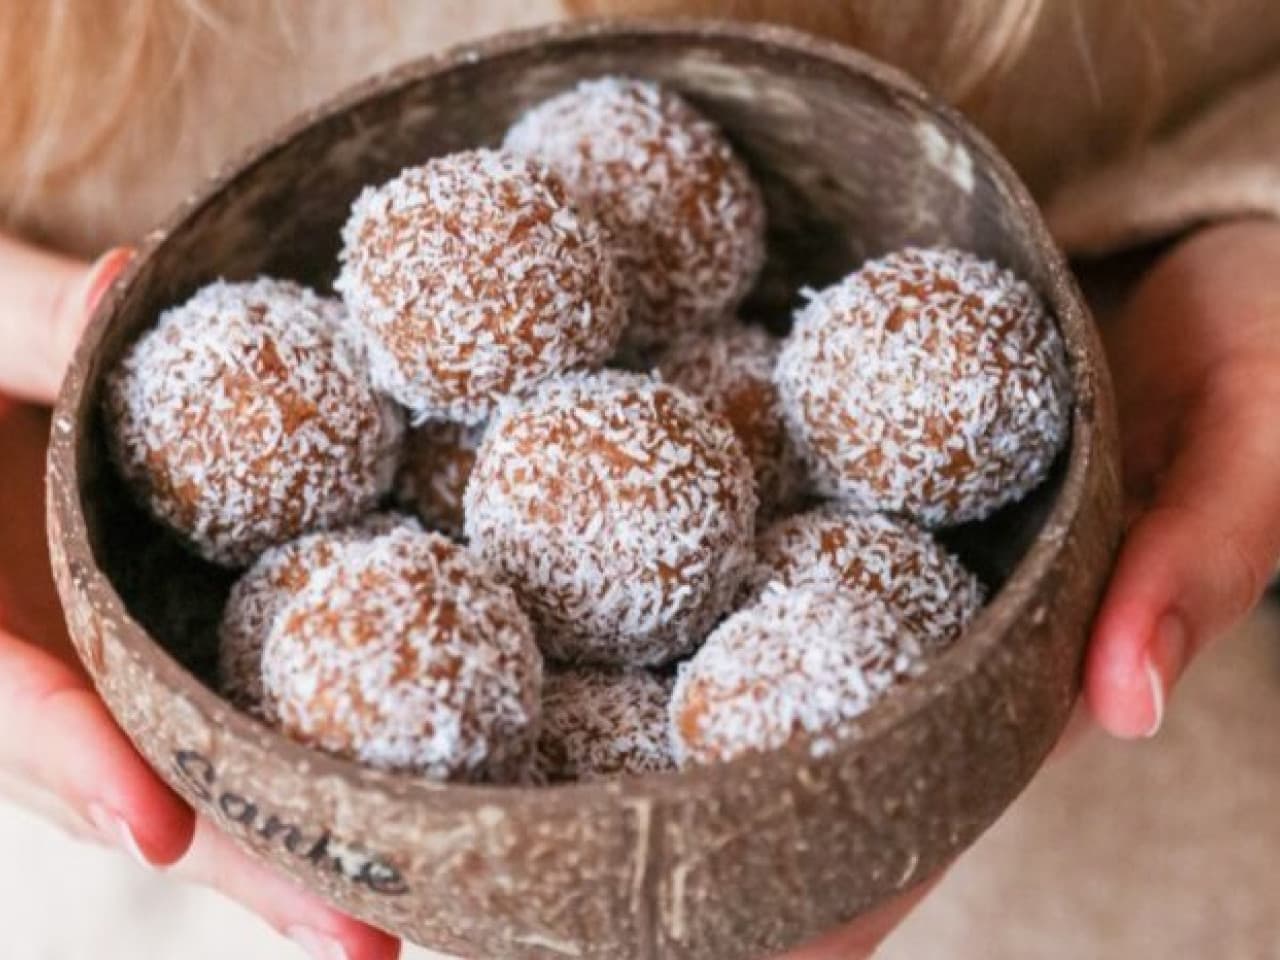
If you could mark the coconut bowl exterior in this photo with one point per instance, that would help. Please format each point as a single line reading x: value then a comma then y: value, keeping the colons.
x: 729, y: 862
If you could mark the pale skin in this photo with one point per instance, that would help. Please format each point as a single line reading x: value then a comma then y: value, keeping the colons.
x: 1195, y: 354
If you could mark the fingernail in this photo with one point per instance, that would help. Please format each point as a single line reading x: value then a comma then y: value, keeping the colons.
x: 1166, y: 657
x: 117, y: 833
x: 101, y: 274
x: 316, y: 945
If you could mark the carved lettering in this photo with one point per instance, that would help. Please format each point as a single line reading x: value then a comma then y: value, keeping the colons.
x: 198, y: 774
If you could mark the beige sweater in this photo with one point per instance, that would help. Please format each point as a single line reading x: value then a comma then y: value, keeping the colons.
x: 1130, y: 119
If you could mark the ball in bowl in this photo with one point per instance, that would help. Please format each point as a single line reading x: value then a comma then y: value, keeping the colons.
x: 245, y: 418
x: 472, y: 277
x: 930, y: 383
x: 620, y: 509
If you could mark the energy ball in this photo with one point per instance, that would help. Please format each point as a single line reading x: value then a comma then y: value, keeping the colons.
x: 279, y: 575
x: 928, y: 383
x: 437, y: 462
x: 472, y: 277
x: 731, y: 370
x: 406, y: 655
x: 244, y: 419
x: 686, y: 219
x: 883, y: 558
x: 799, y: 665
x: 598, y: 724
x: 622, y: 512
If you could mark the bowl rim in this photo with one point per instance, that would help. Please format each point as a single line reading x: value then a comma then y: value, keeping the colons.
x: 990, y: 630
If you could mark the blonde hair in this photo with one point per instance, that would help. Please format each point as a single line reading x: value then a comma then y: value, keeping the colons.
x: 982, y: 39
x: 75, y: 69
x: 55, y: 51
x: 76, y: 72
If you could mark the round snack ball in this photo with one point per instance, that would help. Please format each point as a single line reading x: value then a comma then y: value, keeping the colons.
x: 884, y: 558
x: 731, y: 370
x: 245, y: 418
x: 598, y: 724
x: 470, y: 278
x: 279, y: 575
x: 928, y: 383
x: 437, y: 462
x: 686, y: 218
x: 620, y: 509
x: 801, y: 663
x: 406, y: 655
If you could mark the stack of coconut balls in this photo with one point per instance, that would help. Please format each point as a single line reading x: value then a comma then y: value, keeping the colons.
x: 609, y: 571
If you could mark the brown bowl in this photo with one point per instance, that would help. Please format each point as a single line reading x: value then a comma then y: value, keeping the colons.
x: 734, y: 861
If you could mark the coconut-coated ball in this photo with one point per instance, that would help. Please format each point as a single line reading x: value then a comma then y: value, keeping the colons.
x: 279, y: 575
x: 599, y: 723
x: 730, y: 369
x: 438, y: 459
x: 245, y: 418
x: 800, y: 664
x: 686, y: 218
x: 405, y: 654
x: 472, y: 277
x: 928, y: 383
x: 620, y: 509
x: 886, y: 559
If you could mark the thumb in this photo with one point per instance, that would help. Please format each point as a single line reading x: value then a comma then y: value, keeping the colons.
x: 45, y: 301
x: 1197, y: 558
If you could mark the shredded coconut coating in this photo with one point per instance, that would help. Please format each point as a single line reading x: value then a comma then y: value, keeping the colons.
x: 928, y: 383
x: 598, y: 724
x: 731, y: 370
x: 245, y: 418
x: 685, y: 216
x: 406, y: 655
x: 438, y: 460
x: 886, y: 559
x: 472, y: 277
x: 279, y: 575
x: 620, y: 509
x: 800, y: 664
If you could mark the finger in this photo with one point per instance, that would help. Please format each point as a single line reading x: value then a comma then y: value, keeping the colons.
x: 56, y: 736
x: 325, y: 933
x: 1197, y: 558
x: 861, y: 938
x: 45, y: 302
x: 29, y: 605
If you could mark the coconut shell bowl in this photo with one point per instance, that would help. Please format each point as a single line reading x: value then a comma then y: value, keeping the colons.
x: 729, y: 862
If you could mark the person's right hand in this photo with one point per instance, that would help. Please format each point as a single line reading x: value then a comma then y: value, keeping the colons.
x: 61, y: 753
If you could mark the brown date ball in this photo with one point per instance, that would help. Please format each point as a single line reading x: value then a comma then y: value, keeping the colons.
x: 620, y: 509
x: 889, y: 560
x: 928, y: 383
x: 686, y: 219
x: 598, y: 724
x: 406, y: 655
x: 279, y: 575
x: 799, y: 665
x: 472, y: 277
x: 730, y: 369
x: 438, y: 459
x: 245, y: 419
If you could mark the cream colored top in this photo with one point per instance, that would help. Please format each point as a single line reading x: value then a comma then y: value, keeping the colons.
x: 1128, y: 118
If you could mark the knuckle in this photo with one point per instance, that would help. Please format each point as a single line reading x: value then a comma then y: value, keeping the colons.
x: 1246, y: 575
x: 1235, y: 570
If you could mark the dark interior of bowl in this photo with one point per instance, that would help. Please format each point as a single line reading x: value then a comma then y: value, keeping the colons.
x: 848, y: 172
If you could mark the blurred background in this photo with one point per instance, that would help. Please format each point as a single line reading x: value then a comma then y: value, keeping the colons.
x: 1163, y: 850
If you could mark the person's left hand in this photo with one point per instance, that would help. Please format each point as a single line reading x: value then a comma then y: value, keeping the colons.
x: 1195, y: 357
